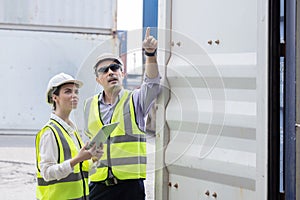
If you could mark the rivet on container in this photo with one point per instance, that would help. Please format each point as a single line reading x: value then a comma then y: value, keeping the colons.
x: 207, y: 193
x: 176, y: 185
x: 214, y: 195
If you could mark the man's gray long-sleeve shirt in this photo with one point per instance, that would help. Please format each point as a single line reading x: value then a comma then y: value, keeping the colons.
x: 142, y: 98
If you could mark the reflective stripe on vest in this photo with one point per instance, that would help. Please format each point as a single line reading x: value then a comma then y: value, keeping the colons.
x: 125, y: 151
x: 75, y: 185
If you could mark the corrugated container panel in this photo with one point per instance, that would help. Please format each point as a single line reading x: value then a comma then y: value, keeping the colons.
x: 213, y: 133
x: 216, y: 113
x: 59, y: 15
x: 28, y: 59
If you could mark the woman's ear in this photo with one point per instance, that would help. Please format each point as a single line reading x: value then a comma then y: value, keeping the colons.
x: 54, y: 97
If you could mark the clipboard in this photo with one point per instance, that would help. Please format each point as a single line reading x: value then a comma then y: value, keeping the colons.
x: 102, y: 135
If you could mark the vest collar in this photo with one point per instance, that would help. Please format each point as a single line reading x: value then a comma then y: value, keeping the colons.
x: 66, y: 126
x: 101, y: 99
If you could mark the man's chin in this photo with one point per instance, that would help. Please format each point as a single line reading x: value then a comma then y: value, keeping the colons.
x: 74, y: 107
x: 116, y: 88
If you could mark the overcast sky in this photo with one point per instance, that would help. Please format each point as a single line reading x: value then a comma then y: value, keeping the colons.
x: 130, y: 17
x: 130, y: 14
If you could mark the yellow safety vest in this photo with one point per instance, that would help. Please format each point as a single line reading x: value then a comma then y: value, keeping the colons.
x: 125, y: 150
x: 75, y: 185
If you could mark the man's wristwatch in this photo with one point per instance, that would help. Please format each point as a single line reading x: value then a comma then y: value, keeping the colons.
x: 150, y: 54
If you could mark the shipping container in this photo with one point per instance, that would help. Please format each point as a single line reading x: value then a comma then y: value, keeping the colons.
x: 218, y: 117
x: 40, y: 39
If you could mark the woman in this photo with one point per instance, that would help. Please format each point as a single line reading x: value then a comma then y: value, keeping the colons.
x: 63, y: 162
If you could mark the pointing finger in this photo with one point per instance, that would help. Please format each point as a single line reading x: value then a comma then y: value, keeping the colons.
x: 147, y: 34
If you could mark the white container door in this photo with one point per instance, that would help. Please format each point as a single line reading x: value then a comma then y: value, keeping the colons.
x: 212, y: 115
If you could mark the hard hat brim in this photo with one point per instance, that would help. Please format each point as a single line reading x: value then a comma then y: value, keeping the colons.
x: 49, y: 97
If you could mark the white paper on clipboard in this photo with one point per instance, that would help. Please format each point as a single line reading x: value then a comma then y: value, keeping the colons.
x: 103, y: 134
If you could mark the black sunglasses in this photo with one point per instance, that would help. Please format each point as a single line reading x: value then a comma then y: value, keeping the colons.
x: 114, y: 67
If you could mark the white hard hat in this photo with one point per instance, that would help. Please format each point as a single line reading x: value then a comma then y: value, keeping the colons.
x: 58, y: 80
x: 108, y: 56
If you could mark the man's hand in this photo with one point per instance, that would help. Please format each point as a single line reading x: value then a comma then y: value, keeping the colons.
x: 149, y: 43
x: 98, y: 153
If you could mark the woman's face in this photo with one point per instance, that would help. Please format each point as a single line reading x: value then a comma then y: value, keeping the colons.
x: 67, y: 98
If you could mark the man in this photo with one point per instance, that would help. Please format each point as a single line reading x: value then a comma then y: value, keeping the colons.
x: 123, y: 165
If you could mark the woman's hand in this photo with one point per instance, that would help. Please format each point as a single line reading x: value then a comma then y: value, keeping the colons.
x: 85, y: 154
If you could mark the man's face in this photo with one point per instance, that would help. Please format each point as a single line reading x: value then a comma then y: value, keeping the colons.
x: 110, y: 75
